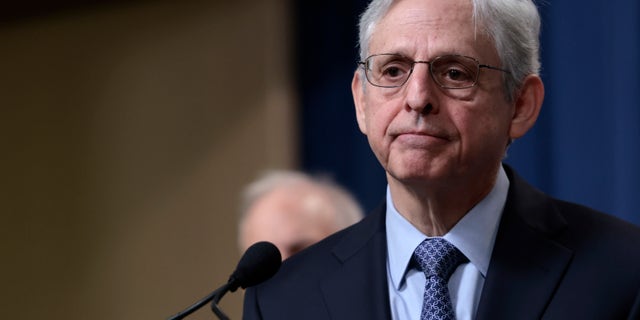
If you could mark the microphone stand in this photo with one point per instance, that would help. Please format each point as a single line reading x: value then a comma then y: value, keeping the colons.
x: 214, y: 297
x: 214, y: 303
x: 260, y: 262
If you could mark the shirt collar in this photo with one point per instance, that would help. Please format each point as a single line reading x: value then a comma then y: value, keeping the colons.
x: 473, y: 235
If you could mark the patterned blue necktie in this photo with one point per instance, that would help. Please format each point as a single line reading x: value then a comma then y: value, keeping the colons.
x: 438, y: 259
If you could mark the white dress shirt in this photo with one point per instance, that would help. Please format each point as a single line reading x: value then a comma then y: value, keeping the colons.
x: 473, y: 235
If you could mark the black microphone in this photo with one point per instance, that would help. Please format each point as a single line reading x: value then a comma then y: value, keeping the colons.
x: 259, y: 263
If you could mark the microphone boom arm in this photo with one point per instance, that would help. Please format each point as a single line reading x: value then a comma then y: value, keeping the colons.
x: 214, y: 296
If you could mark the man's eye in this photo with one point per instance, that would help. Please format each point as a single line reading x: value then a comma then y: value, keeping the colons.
x: 456, y: 74
x: 392, y: 72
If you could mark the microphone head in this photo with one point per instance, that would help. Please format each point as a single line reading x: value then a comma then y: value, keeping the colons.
x: 259, y: 263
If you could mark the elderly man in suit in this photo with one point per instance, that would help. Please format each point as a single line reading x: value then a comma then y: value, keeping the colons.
x: 442, y: 89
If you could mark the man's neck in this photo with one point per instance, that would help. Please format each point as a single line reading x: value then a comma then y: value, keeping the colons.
x: 435, y: 208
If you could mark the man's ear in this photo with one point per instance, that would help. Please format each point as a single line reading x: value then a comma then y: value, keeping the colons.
x: 527, y: 106
x: 357, y: 90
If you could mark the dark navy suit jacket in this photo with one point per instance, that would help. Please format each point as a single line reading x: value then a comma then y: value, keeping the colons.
x: 551, y: 260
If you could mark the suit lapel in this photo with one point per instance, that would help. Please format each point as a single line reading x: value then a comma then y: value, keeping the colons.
x: 526, y: 264
x: 363, y: 269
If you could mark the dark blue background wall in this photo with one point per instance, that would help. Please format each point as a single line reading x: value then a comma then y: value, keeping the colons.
x: 585, y: 147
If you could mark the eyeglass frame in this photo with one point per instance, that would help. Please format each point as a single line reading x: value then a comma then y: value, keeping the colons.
x: 479, y: 65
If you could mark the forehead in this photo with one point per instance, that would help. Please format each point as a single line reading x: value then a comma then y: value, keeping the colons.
x: 423, y: 28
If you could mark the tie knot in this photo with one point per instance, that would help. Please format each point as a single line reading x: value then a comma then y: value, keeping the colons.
x: 438, y: 257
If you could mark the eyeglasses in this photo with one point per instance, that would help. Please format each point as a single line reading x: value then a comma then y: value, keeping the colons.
x: 388, y: 70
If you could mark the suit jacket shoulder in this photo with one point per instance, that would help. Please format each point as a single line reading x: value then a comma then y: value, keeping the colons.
x: 554, y: 259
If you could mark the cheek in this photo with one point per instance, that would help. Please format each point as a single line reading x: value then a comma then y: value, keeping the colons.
x: 376, y: 124
x: 380, y: 113
x: 379, y: 117
x: 484, y: 128
x: 376, y: 130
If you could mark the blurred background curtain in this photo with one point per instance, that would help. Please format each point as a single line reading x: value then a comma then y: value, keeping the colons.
x: 585, y: 146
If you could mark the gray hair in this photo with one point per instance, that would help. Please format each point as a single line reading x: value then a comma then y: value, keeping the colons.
x: 347, y: 210
x: 512, y: 25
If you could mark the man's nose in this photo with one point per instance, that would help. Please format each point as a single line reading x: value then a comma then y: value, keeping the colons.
x: 420, y: 89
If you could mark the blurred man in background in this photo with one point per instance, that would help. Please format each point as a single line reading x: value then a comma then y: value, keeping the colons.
x: 293, y: 211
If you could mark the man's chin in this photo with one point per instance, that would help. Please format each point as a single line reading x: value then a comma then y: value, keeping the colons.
x: 416, y: 175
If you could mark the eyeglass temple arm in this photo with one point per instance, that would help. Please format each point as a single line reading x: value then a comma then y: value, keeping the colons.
x: 493, y: 68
